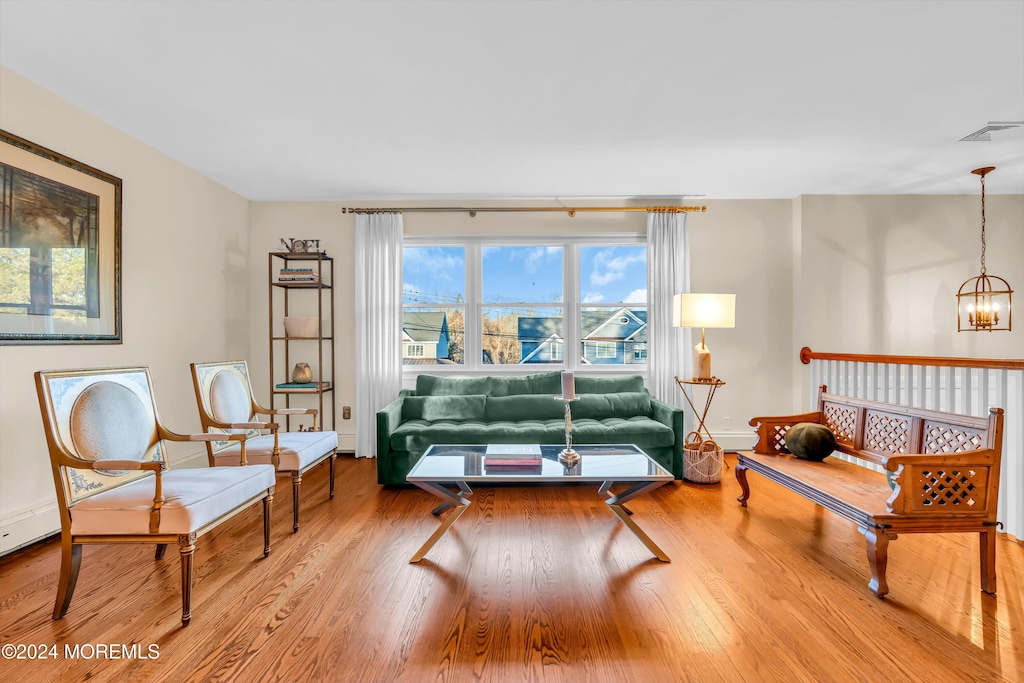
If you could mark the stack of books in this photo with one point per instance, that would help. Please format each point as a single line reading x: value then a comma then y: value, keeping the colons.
x: 303, y: 386
x: 513, y: 458
x: 297, y: 275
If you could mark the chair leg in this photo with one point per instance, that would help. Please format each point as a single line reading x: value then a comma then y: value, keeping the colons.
x: 333, y: 456
x: 187, y: 547
x: 70, y: 562
x: 296, y: 482
x: 161, y: 548
x: 267, y: 502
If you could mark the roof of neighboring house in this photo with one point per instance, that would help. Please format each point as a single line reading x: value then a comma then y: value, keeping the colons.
x: 423, y: 326
x: 605, y: 323
x: 428, y: 361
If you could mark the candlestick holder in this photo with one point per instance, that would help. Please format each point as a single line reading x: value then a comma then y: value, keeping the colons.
x: 568, y: 456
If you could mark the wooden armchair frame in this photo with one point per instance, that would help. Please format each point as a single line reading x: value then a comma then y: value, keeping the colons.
x: 203, y: 376
x: 70, y: 469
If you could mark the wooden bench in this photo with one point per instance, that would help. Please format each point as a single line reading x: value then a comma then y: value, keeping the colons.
x: 944, y: 468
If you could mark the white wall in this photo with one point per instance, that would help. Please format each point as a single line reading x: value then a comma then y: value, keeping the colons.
x: 738, y: 246
x: 269, y: 223
x: 879, y: 274
x: 185, y: 294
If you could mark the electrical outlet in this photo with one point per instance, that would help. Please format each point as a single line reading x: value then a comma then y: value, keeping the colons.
x: 727, y: 424
x: 346, y: 412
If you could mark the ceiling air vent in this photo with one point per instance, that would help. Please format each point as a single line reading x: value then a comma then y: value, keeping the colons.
x: 985, y: 134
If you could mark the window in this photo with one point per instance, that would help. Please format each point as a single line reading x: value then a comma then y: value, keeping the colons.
x: 513, y: 302
x: 519, y: 320
x: 434, y: 302
x: 613, y: 302
x: 605, y: 349
x: 640, y: 352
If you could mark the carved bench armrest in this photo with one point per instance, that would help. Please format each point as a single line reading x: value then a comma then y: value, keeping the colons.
x: 771, y: 430
x: 965, y: 482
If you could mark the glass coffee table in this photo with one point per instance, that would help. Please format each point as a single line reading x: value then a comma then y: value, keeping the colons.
x: 443, y: 466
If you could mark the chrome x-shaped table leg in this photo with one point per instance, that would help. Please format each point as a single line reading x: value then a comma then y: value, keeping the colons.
x: 451, y: 500
x: 616, y: 504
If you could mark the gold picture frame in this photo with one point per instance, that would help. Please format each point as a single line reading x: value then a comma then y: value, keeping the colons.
x: 60, y: 248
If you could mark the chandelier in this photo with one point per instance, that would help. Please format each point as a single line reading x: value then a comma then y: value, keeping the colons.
x: 983, y: 302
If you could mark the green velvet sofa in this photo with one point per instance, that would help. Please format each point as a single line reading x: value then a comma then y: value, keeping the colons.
x: 523, y: 409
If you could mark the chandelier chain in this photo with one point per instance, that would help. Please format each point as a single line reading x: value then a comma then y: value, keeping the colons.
x: 982, y: 225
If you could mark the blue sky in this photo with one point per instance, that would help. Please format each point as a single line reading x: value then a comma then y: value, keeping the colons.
x: 528, y: 274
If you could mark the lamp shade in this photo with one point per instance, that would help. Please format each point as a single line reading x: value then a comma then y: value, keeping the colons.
x: 704, y: 310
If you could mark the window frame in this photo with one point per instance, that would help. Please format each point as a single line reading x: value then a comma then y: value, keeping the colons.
x: 571, y: 305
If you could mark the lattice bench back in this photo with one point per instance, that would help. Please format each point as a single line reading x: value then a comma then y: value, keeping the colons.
x: 874, y: 431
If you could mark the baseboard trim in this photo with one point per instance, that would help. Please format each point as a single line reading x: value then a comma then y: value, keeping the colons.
x: 734, y: 441
x: 31, y: 525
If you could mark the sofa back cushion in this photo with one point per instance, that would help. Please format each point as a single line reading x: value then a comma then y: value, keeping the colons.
x: 523, y: 407
x: 609, y: 385
x: 624, y: 404
x: 435, y: 408
x: 540, y: 383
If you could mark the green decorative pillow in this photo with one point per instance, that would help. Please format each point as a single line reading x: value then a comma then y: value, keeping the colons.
x: 435, y: 408
x: 625, y: 404
x: 524, y: 407
x: 810, y: 441
x: 609, y: 385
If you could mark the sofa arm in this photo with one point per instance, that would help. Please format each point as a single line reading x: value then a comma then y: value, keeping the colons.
x: 388, y: 419
x: 671, y: 416
x: 771, y: 431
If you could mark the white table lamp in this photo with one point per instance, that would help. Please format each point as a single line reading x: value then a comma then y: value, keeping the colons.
x: 703, y: 310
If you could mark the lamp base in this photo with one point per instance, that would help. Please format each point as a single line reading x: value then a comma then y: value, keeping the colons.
x: 569, y: 457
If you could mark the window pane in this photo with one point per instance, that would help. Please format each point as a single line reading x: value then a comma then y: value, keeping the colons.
x: 522, y: 335
x: 433, y: 336
x: 613, y: 274
x: 14, y: 279
x: 434, y: 275
x: 522, y: 275
x: 67, y: 268
x: 613, y: 335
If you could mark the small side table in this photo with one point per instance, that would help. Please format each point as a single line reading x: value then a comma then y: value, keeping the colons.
x: 699, y: 463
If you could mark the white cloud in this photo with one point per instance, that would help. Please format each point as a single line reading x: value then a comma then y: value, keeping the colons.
x: 608, y: 268
x: 593, y: 298
x: 431, y: 260
x: 637, y: 296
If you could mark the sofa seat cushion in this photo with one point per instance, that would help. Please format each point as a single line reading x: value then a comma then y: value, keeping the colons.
x: 193, y: 498
x: 417, y: 435
x: 299, y: 450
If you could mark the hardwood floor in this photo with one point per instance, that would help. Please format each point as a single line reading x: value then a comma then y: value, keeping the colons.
x: 531, y: 584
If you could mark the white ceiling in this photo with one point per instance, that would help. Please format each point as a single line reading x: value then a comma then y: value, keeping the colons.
x: 318, y: 100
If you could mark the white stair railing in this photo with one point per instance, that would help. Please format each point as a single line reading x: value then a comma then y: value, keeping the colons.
x: 969, y: 386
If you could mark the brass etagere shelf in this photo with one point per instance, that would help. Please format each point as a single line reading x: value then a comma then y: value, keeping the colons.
x: 283, y: 347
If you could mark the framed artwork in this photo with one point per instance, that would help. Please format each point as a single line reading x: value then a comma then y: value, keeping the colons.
x: 60, y: 248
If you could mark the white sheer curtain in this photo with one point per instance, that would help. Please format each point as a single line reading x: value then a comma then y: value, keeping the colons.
x: 378, y: 322
x: 668, y: 274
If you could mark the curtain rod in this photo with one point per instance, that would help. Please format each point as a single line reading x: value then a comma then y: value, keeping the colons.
x: 567, y: 209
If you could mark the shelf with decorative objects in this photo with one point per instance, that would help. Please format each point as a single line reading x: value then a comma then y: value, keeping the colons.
x: 302, y: 359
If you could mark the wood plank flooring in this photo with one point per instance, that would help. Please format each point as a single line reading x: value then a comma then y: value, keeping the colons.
x: 531, y: 584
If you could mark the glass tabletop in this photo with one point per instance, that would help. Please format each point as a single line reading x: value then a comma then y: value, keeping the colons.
x: 598, y: 462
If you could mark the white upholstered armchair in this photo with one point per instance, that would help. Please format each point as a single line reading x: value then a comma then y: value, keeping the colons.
x: 226, y: 405
x: 109, y: 463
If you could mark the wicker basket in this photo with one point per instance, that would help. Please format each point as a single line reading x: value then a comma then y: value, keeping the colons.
x: 702, y: 460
